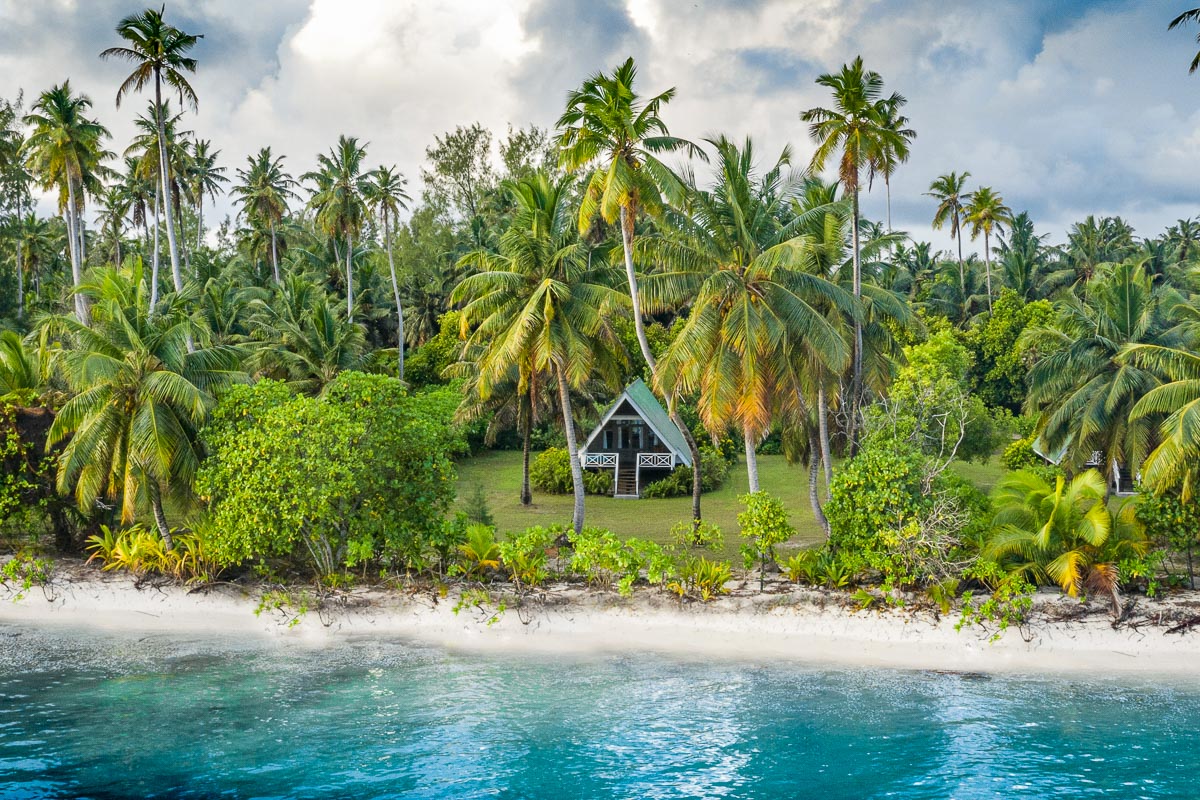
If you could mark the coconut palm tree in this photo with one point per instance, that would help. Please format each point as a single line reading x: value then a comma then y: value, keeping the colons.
x: 160, y: 54
x: 896, y: 149
x: 856, y: 130
x: 1081, y: 386
x: 756, y: 304
x: 263, y: 192
x: 608, y: 128
x: 204, y: 177
x: 384, y: 193
x: 65, y: 151
x: 948, y: 191
x: 986, y: 213
x: 1063, y: 533
x: 542, y: 302
x: 140, y: 396
x: 337, y: 197
x: 114, y: 207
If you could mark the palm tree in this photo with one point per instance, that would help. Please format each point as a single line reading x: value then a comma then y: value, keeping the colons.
x: 857, y: 128
x: 542, y: 302
x: 65, y: 151
x: 204, y: 177
x: 142, y: 156
x: 311, y: 348
x: 986, y: 213
x: 1026, y: 265
x: 1191, y: 15
x: 159, y: 52
x: 263, y: 194
x: 384, y: 192
x: 755, y: 304
x: 338, y: 199
x: 114, y: 207
x: 140, y: 396
x: 1081, y: 385
x: 896, y: 148
x: 607, y: 127
x: 948, y: 191
x: 1063, y: 533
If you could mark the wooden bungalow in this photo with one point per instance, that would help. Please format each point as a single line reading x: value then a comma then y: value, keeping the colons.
x: 636, y: 440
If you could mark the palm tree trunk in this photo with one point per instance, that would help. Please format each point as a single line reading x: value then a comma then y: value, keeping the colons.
x: 81, y: 307
x: 751, y: 458
x: 154, y: 260
x: 20, y: 268
x: 164, y: 174
x: 183, y: 245
x: 387, y: 235
x: 526, y: 446
x: 274, y: 254
x: 644, y: 343
x: 987, y: 265
x: 814, y: 498
x: 564, y: 397
x: 200, y: 221
x: 160, y: 518
x: 823, y: 428
x: 856, y: 375
x: 349, y: 277
x: 80, y: 224
x: 962, y: 268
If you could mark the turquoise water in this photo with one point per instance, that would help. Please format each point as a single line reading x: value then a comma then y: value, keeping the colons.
x: 114, y: 716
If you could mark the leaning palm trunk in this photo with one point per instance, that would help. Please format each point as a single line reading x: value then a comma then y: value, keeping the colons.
x: 644, y: 343
x: 823, y: 429
x: 751, y: 458
x: 82, y: 313
x: 274, y: 254
x: 387, y: 234
x: 856, y: 376
x: 164, y: 174
x: 564, y: 396
x: 160, y: 518
x: 813, y: 495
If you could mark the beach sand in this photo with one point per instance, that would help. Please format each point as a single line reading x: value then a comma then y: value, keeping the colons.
x: 786, y: 623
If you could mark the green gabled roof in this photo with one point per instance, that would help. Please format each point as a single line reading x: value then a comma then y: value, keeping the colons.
x: 648, y: 408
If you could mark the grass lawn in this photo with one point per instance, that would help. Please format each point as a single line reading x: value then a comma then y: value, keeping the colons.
x: 499, y: 473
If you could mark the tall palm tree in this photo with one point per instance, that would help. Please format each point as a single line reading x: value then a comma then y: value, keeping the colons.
x: 608, y: 128
x: 263, y: 193
x: 159, y: 53
x: 755, y: 303
x: 140, y: 397
x: 1082, y: 387
x: 65, y: 149
x: 384, y: 193
x: 204, y: 177
x: 896, y: 149
x: 337, y: 197
x: 1191, y: 15
x: 986, y: 213
x: 114, y: 207
x: 542, y: 302
x: 948, y: 191
x: 856, y: 130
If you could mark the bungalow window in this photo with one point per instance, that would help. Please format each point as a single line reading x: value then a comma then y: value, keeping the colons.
x: 608, y: 439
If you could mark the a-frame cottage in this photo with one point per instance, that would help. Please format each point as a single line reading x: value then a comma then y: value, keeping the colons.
x: 636, y: 440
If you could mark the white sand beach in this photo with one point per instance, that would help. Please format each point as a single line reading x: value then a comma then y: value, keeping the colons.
x: 803, y: 625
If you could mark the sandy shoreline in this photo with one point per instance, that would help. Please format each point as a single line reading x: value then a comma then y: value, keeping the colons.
x: 804, y: 626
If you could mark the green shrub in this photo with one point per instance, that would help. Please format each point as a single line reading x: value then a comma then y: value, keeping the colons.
x: 550, y: 472
x: 699, y: 535
x: 877, y: 490
x: 476, y: 506
x: 701, y: 578
x: 714, y: 469
x: 525, y: 554
x: 764, y: 525
x: 480, y: 552
x: 1020, y: 455
x: 604, y: 560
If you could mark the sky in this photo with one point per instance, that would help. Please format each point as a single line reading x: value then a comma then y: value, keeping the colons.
x: 1066, y: 108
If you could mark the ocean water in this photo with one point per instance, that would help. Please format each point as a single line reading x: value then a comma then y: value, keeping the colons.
x: 116, y: 716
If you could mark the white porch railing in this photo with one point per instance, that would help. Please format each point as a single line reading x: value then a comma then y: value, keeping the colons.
x: 656, y: 460
x: 599, y: 459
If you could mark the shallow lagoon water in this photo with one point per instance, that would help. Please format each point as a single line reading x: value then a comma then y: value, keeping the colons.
x: 113, y: 716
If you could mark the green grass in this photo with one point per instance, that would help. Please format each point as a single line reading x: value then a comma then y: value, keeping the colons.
x: 499, y: 473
